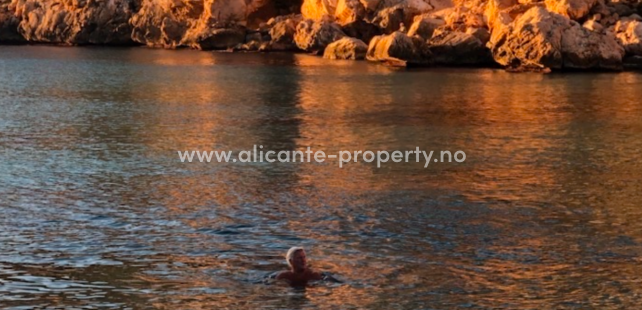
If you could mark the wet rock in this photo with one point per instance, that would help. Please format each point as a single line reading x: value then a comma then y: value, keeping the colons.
x: 314, y: 36
x: 346, y: 48
x: 75, y: 21
x: 220, y: 39
x: 459, y: 49
x: 397, y: 49
x: 633, y: 63
x: 540, y: 39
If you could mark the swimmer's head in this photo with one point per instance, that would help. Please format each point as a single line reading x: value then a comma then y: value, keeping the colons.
x: 296, y: 258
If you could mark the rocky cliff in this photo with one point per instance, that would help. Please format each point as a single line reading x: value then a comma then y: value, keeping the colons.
x: 516, y: 34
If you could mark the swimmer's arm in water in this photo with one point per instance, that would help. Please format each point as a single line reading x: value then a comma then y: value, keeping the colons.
x: 325, y: 276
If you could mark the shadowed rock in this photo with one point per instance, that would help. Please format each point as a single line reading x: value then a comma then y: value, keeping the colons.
x: 459, y: 49
x: 9, y: 25
x: 314, y: 36
x: 220, y: 39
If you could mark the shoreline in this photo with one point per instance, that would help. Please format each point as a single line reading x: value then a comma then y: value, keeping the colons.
x: 538, y: 36
x: 406, y: 68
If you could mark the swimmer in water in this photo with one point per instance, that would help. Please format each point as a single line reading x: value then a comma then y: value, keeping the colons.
x: 299, y: 274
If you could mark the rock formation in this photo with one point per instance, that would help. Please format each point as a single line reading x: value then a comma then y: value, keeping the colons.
x: 516, y: 34
x: 541, y: 39
x: 74, y: 21
x: 629, y: 34
x: 314, y: 36
x: 459, y: 49
x: 282, y: 33
x: 398, y: 49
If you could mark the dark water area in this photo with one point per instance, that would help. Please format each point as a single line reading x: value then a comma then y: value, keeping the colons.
x: 97, y: 211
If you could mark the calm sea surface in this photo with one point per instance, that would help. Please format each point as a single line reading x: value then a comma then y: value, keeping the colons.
x: 97, y: 211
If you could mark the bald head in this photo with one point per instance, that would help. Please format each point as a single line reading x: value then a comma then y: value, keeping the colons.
x: 296, y: 259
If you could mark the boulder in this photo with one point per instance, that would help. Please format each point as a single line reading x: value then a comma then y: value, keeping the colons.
x: 318, y: 9
x: 622, y: 9
x: 424, y: 26
x: 349, y: 11
x: 314, y: 36
x: 629, y: 35
x: 540, y: 39
x: 459, y: 49
x: 282, y: 35
x: 346, y: 48
x: 585, y: 49
x: 573, y: 9
x: 394, y: 18
x: 75, y: 21
x: 398, y: 49
x: 361, y: 29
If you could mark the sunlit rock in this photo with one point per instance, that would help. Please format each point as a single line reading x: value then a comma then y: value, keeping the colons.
x: 629, y: 35
x: 172, y: 23
x: 573, y: 9
x: 424, y: 26
x: 75, y: 21
x: 398, y: 49
x: 282, y: 34
x: 541, y: 39
x: 346, y: 48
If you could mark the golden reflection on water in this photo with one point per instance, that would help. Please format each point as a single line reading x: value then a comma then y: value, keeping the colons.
x: 543, y: 214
